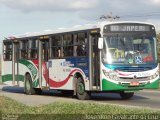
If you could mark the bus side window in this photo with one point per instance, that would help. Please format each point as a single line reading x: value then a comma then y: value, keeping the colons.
x: 68, y: 45
x: 80, y: 51
x: 56, y: 47
x: 7, y: 51
x: 33, y: 49
x: 24, y: 49
x: 81, y: 44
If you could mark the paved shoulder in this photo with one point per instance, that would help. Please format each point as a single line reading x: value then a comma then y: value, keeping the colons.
x: 17, y: 94
x: 144, y: 99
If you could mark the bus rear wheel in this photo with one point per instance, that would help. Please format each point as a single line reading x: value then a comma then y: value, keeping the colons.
x: 81, y: 93
x: 126, y: 96
x: 28, y: 85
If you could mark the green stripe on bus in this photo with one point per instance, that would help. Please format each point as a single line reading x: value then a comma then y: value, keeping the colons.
x: 33, y: 71
x: 8, y: 77
x: 36, y: 83
x: 153, y: 85
x: 108, y: 86
x: 30, y: 66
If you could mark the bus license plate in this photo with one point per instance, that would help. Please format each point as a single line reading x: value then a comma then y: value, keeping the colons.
x: 134, y: 83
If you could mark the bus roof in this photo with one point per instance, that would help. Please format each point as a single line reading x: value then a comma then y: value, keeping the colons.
x: 74, y: 28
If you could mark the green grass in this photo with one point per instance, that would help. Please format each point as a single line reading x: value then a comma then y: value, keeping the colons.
x: 65, y: 110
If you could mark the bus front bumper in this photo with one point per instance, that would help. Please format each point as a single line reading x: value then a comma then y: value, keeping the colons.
x: 110, y: 86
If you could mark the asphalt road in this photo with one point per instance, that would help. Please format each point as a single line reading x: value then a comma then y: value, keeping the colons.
x: 144, y: 99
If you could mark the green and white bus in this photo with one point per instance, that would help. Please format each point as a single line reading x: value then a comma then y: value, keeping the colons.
x: 117, y: 57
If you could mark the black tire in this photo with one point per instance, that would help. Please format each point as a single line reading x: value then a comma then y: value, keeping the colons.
x: 38, y: 91
x: 81, y: 93
x: 126, y: 96
x: 28, y: 85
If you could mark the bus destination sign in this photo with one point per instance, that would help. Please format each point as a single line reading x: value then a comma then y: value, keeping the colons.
x: 132, y: 28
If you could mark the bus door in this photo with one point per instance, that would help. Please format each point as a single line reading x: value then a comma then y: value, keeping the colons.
x: 43, y: 63
x: 15, y: 63
x: 95, y: 62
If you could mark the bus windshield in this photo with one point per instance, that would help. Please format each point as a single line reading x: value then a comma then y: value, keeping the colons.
x: 129, y: 49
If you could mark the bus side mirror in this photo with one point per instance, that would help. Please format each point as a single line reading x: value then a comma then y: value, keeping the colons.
x: 100, y: 43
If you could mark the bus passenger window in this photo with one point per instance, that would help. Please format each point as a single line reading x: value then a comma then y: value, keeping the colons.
x: 80, y: 51
x: 53, y: 52
x: 33, y: 49
x: 33, y: 54
x: 81, y: 44
x: 24, y: 49
x: 56, y: 51
x: 68, y: 45
x: 7, y: 51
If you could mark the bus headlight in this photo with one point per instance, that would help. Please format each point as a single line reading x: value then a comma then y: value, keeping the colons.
x: 157, y: 73
x: 111, y: 75
x: 154, y: 75
x: 105, y: 73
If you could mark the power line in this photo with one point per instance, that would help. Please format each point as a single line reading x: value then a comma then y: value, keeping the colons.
x: 109, y: 17
x: 142, y: 15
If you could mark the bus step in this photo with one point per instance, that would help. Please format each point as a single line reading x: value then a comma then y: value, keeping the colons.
x: 45, y: 88
x: 95, y: 87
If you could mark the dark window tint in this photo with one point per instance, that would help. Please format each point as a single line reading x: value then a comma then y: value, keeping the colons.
x: 7, y: 51
x: 24, y: 49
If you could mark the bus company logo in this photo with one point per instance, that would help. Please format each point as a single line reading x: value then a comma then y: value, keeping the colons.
x: 67, y: 64
x: 135, y: 77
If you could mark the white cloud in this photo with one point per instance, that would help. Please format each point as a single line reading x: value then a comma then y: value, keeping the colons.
x: 83, y: 4
x: 89, y: 10
x: 49, y: 5
x: 157, y: 2
x: 86, y: 8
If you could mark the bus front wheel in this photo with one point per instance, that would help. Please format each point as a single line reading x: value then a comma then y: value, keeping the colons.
x: 126, y: 96
x: 81, y: 93
x: 28, y: 85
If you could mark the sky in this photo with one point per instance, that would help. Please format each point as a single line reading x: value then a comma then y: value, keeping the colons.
x: 18, y: 17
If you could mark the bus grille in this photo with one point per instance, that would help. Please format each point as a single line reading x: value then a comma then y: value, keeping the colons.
x: 127, y: 79
x: 134, y: 69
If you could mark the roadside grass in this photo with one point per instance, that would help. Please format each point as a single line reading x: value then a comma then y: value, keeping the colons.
x: 66, y: 110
